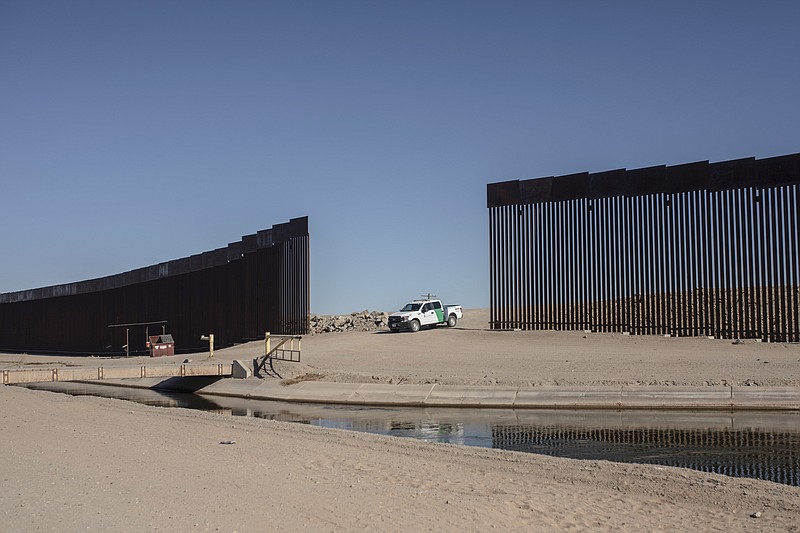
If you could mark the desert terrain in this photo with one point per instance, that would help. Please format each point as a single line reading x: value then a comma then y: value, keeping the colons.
x: 83, y: 463
x: 471, y: 354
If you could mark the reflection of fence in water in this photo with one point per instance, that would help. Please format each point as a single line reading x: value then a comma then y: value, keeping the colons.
x: 773, y: 456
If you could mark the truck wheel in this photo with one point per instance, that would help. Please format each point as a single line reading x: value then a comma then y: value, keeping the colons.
x: 414, y: 325
x: 451, y: 321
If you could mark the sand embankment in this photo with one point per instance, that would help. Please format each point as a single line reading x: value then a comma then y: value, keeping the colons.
x: 91, y: 463
x: 472, y: 355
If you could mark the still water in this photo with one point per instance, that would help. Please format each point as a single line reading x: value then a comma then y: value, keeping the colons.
x: 761, y: 445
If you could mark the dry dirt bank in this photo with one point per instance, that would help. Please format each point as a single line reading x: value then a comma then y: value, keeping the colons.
x: 73, y: 464
x: 471, y: 355
x: 96, y: 464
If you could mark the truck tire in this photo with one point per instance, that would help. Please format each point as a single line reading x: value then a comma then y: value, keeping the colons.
x: 414, y: 326
x: 451, y: 321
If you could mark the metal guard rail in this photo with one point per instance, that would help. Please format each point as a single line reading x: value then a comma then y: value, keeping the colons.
x: 278, y: 353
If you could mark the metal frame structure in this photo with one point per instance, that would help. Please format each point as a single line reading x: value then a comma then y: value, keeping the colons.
x: 258, y: 284
x: 279, y: 353
x: 696, y: 249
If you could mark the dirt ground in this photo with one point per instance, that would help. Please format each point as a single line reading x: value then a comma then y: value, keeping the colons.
x: 470, y: 354
x: 80, y: 463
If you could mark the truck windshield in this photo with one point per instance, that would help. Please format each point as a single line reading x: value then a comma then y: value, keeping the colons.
x: 411, y: 307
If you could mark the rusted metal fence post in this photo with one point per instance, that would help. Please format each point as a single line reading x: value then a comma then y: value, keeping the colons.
x: 259, y: 282
x: 695, y: 249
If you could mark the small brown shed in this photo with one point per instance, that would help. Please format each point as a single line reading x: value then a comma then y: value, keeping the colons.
x: 161, y: 345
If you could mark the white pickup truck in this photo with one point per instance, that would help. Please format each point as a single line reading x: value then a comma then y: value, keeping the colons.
x: 421, y: 313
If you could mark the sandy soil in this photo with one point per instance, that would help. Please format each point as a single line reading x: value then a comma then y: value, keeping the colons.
x: 82, y: 463
x: 472, y: 355
x: 71, y: 464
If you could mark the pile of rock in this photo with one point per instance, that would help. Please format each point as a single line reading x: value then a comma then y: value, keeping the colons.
x: 363, y: 321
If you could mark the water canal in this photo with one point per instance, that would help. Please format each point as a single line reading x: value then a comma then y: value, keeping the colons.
x: 761, y: 445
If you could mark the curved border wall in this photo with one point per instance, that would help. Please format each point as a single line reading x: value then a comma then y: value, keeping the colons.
x: 695, y: 249
x: 239, y: 292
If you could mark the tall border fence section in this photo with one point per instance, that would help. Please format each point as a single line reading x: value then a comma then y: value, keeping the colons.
x: 238, y: 293
x: 702, y: 248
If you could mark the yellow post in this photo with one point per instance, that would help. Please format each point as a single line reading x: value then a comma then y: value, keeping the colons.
x: 211, y: 344
x: 266, y: 343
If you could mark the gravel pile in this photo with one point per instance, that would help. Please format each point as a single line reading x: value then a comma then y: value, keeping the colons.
x: 359, y: 321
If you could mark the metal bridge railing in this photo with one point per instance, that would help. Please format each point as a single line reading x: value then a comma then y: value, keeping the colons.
x: 286, y: 349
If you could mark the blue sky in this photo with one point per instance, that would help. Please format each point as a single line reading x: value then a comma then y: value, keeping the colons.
x: 135, y: 132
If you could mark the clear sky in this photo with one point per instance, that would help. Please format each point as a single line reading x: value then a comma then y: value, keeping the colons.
x: 135, y: 132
